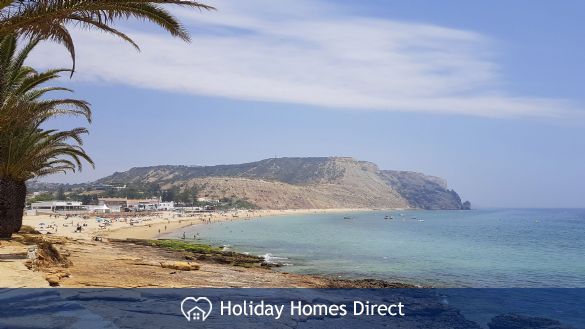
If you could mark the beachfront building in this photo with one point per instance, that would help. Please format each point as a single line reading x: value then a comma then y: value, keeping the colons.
x: 125, y: 204
x: 165, y: 206
x: 57, y: 206
x: 144, y: 204
x: 114, y: 204
x: 100, y: 209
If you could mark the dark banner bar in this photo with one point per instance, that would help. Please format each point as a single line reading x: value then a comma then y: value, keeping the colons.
x: 292, y: 308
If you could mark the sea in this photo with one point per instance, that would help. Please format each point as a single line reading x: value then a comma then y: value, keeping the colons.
x: 487, y: 248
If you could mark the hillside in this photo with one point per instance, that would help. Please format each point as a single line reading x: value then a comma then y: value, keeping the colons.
x: 333, y: 182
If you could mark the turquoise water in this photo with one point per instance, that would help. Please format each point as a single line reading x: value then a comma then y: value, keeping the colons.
x: 477, y: 248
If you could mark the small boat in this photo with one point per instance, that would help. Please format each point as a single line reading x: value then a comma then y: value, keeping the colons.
x: 346, y: 217
x: 386, y: 217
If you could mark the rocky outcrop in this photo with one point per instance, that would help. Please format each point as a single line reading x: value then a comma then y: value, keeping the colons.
x: 423, y: 191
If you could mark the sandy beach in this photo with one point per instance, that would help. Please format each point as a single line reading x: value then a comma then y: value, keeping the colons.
x: 149, y: 225
x: 107, y: 255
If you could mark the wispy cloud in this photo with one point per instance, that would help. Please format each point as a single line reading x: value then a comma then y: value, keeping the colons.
x: 307, y: 52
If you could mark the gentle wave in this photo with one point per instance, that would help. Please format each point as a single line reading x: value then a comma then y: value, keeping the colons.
x: 271, y: 259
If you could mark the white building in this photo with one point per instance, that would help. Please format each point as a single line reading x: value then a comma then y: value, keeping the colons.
x: 102, y: 209
x: 57, y: 206
x: 166, y: 206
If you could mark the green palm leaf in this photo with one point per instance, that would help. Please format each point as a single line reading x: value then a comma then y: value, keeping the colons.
x: 26, y: 149
x: 48, y: 19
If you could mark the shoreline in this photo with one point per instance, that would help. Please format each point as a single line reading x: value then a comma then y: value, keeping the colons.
x: 96, y: 257
x: 112, y: 263
x: 151, y: 231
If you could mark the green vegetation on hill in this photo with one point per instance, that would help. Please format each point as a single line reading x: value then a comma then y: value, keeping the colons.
x: 235, y: 203
x: 184, y: 197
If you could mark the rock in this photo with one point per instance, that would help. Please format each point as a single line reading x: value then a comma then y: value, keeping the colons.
x: 517, y: 321
x: 54, y: 279
x: 422, y: 191
x: 180, y: 266
x: 366, y: 283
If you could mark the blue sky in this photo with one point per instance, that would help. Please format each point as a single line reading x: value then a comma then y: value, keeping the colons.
x: 488, y: 96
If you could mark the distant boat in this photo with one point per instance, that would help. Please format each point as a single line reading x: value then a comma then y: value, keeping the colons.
x: 421, y: 220
x: 346, y: 217
x: 386, y: 217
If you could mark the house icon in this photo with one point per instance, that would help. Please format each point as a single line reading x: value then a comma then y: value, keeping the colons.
x: 197, y: 310
x: 197, y: 314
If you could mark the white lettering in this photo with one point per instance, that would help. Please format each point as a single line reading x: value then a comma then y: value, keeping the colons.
x: 297, y: 308
x: 249, y: 308
x: 227, y: 308
x: 365, y: 308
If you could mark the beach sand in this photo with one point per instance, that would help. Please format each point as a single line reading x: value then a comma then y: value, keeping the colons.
x: 150, y: 224
x: 109, y: 262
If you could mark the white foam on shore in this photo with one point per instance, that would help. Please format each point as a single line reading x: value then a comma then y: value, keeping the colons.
x: 271, y: 259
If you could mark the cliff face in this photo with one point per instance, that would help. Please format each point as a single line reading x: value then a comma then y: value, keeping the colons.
x: 333, y: 182
x: 422, y: 191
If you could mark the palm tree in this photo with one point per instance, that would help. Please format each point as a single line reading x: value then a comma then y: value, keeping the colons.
x: 26, y: 149
x: 48, y: 19
x: 29, y: 154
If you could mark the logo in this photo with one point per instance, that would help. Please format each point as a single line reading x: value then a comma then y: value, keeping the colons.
x: 197, y: 309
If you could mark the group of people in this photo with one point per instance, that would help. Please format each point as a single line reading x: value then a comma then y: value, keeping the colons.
x: 80, y: 227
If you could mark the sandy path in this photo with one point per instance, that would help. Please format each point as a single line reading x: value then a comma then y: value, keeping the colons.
x: 13, y: 272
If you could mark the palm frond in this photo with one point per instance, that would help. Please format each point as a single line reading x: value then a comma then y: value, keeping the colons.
x: 48, y: 19
x: 27, y: 150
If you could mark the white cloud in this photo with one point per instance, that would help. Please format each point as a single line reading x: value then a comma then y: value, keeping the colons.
x: 306, y: 52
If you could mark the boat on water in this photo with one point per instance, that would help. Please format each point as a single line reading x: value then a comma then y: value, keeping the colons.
x: 386, y: 217
x: 346, y: 217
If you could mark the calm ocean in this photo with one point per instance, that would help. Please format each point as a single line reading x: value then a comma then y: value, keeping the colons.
x: 477, y: 248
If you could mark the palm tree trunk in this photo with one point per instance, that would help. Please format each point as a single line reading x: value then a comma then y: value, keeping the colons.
x: 12, y: 199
